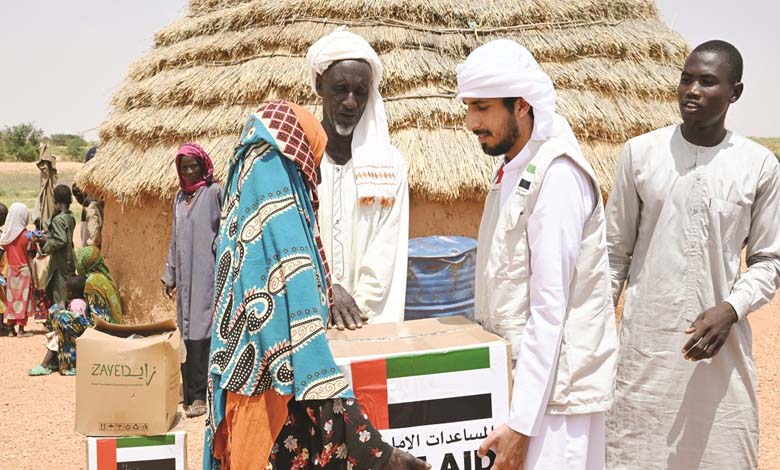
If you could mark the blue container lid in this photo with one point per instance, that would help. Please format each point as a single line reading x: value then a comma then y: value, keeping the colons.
x: 440, y: 246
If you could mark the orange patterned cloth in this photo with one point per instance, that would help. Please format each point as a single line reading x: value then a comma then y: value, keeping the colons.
x: 246, y: 436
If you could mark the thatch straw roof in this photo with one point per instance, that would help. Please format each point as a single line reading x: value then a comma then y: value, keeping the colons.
x: 614, y: 63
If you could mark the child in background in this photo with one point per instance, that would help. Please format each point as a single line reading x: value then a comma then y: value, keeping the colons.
x: 74, y: 286
x: 18, y: 249
x: 75, y: 289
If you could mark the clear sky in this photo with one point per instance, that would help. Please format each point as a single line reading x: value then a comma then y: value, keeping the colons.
x: 63, y: 60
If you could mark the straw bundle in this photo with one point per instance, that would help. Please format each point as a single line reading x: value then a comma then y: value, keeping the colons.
x: 614, y: 63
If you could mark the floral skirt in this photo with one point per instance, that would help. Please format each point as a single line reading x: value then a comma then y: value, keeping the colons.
x: 330, y: 435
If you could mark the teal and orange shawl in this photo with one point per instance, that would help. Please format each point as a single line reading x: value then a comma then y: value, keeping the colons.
x: 271, y: 288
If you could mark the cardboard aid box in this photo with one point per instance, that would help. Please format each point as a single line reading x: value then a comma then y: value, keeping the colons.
x: 435, y: 387
x: 127, y: 385
x: 162, y: 452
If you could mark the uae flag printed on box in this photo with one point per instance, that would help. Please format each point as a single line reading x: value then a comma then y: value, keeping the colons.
x: 436, y: 404
x: 164, y: 452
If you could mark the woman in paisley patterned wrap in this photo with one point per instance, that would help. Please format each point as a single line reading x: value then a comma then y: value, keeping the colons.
x: 276, y: 397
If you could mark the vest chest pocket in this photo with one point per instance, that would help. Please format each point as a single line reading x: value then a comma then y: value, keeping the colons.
x: 513, y: 257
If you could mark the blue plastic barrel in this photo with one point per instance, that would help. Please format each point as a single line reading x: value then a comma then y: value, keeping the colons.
x: 440, y: 277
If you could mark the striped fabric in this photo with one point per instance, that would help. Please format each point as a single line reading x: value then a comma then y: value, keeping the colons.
x: 432, y: 387
x: 164, y: 452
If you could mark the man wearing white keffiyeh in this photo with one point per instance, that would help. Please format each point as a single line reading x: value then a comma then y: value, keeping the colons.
x: 542, y: 270
x: 364, y: 201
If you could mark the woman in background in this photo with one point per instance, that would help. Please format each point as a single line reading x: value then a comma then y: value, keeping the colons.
x: 189, y: 272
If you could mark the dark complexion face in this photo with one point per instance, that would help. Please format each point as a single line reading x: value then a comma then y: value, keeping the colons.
x: 344, y: 89
x: 190, y: 170
x: 705, y: 91
x: 495, y: 126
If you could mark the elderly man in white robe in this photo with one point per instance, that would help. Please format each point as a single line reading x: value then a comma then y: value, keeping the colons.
x: 687, y: 200
x: 364, y: 201
x: 542, y: 269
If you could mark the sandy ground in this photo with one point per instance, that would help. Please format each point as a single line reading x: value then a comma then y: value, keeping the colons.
x: 36, y: 413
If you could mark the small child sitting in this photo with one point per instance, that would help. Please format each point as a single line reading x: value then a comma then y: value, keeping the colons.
x: 74, y: 286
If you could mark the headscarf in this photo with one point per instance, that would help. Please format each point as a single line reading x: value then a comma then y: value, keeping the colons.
x: 195, y: 151
x: 375, y: 171
x: 90, y: 154
x: 15, y: 223
x: 271, y: 289
x: 99, y: 290
x: 505, y: 69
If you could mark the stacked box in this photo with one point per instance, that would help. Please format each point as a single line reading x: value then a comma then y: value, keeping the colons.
x: 127, y: 379
x: 433, y: 387
x: 162, y: 452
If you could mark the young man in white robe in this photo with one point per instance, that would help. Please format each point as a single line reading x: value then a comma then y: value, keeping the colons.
x: 364, y: 200
x: 687, y: 200
x: 542, y: 272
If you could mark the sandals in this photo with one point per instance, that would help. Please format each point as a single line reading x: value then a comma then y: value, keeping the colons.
x: 198, y: 408
x: 39, y: 370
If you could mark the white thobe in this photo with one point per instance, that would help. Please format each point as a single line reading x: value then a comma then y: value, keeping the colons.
x: 566, y: 200
x: 366, y: 246
x: 678, y: 218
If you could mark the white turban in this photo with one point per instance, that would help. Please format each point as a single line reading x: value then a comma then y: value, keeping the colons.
x: 371, y: 146
x: 505, y: 69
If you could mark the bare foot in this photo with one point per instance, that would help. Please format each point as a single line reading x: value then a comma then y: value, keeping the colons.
x: 400, y: 460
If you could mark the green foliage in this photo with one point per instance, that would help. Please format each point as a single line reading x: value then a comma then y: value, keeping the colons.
x: 20, y: 142
x: 68, y: 146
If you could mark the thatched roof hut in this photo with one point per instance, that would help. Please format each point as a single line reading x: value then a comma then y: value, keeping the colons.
x: 615, y: 65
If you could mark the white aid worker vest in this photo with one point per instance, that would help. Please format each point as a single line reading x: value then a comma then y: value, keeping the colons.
x: 584, y: 379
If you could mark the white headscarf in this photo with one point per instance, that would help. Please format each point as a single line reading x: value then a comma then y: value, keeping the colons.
x: 15, y: 223
x: 505, y: 69
x: 371, y: 148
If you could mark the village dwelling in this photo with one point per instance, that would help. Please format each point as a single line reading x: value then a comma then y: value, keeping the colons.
x: 614, y: 63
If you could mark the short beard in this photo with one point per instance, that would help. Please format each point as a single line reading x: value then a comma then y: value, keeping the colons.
x: 511, y: 133
x: 344, y: 131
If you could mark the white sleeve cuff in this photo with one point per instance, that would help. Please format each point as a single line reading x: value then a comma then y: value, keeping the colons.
x: 740, y: 301
x: 522, y: 424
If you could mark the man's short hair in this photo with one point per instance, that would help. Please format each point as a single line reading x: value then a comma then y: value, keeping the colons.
x: 78, y: 194
x: 732, y: 55
x: 3, y: 212
x: 509, y: 104
x: 62, y: 194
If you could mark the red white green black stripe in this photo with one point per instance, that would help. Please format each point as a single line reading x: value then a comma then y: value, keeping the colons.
x: 432, y: 387
x: 164, y: 452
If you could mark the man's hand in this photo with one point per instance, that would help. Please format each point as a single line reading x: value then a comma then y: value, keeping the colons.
x: 709, y: 332
x: 510, y: 447
x: 169, y: 292
x: 345, y: 310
